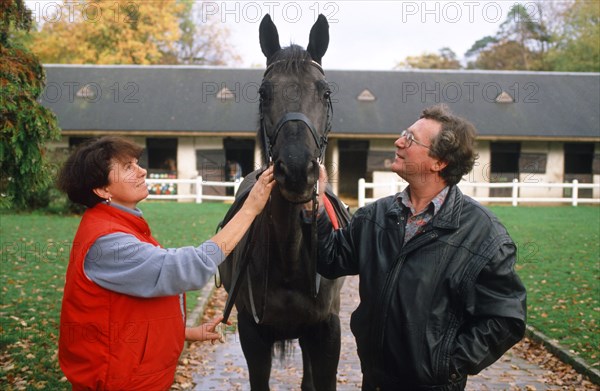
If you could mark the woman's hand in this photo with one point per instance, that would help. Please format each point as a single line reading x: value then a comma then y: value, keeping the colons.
x: 234, y: 230
x: 205, y: 332
x: 259, y: 195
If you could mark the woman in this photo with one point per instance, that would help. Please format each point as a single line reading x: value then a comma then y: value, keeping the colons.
x: 122, y: 322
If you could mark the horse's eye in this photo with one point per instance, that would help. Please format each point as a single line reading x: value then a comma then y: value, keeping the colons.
x: 261, y: 93
x: 327, y: 94
x: 264, y: 93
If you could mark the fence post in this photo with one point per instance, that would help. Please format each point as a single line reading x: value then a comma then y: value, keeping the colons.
x: 199, y: 189
x: 575, y: 192
x: 361, y: 192
x: 515, y: 192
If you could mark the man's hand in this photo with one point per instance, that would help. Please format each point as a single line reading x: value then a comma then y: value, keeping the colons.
x: 322, y: 185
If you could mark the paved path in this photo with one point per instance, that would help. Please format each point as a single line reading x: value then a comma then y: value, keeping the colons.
x: 222, y: 366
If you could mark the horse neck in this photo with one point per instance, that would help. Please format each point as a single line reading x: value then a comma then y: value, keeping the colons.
x: 286, y: 226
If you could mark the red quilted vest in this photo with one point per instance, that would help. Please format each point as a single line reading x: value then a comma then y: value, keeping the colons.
x: 112, y: 341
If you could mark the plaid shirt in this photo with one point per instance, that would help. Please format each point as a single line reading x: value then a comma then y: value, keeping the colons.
x: 416, y: 221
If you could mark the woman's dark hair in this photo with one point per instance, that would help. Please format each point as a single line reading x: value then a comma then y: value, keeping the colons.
x: 455, y: 144
x: 87, y: 168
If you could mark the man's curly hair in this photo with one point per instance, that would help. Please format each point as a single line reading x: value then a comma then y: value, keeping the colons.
x: 455, y: 144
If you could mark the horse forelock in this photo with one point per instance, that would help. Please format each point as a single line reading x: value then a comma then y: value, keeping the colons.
x: 291, y: 59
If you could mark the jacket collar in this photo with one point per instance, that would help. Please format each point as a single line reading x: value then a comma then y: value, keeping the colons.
x: 138, y: 223
x: 449, y: 215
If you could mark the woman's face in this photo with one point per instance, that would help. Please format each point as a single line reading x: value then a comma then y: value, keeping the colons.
x: 127, y: 182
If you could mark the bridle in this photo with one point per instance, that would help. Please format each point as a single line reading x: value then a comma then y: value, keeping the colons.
x: 268, y: 142
x: 320, y: 141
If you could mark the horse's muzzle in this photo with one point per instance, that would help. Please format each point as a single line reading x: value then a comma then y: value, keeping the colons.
x: 296, y: 180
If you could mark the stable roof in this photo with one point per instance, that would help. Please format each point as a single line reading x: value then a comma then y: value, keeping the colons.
x: 198, y: 100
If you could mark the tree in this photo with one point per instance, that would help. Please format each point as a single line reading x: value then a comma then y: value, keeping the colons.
x: 521, y: 43
x: 446, y: 59
x: 578, y: 42
x: 109, y: 32
x: 126, y: 32
x: 507, y: 55
x: 481, y: 45
x: 25, y: 124
x: 202, y: 40
x: 524, y: 26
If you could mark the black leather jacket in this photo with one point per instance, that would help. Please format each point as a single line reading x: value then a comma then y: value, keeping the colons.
x: 445, y: 305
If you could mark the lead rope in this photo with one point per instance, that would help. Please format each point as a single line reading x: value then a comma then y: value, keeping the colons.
x: 315, y: 238
x: 255, y: 315
x: 244, y: 264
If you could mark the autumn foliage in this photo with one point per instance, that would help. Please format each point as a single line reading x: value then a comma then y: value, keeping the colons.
x: 25, y: 124
x: 109, y: 32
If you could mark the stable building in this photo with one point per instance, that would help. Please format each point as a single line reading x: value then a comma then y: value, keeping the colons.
x: 203, y: 121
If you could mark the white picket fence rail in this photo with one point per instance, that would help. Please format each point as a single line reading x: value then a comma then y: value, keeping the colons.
x: 194, y: 190
x: 515, y: 187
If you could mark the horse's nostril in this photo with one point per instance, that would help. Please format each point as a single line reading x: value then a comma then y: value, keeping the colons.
x: 312, y: 172
x: 281, y: 168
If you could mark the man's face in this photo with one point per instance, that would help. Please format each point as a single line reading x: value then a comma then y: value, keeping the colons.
x: 413, y: 162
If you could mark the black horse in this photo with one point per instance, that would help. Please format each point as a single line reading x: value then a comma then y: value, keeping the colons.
x: 281, y: 296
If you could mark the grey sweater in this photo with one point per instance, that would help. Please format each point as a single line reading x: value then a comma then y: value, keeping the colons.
x: 122, y: 263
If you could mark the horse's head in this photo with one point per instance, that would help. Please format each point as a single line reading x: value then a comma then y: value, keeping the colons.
x: 295, y: 109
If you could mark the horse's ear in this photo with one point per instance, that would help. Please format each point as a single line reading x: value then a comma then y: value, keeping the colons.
x: 319, y: 39
x: 269, y: 38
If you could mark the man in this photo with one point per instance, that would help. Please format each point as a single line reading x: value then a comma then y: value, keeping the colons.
x: 440, y: 298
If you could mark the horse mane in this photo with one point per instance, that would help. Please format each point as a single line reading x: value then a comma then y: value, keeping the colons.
x: 291, y: 59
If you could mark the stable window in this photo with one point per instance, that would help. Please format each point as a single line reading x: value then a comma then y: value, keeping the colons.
x: 579, y: 162
x: 504, y: 167
x: 160, y: 159
x: 162, y: 153
x: 353, y: 165
x: 76, y: 141
x: 579, y: 158
x: 240, y: 151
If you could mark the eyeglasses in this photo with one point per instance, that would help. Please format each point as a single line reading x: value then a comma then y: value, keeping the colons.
x: 410, y: 138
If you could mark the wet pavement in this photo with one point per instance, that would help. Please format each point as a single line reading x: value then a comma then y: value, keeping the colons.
x: 223, y: 367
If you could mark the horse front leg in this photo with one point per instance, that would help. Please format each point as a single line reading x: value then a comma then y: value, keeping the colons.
x: 257, y: 351
x: 322, y: 343
x: 308, y: 383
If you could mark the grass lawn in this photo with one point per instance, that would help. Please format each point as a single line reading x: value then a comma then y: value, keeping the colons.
x: 34, y: 253
x: 559, y: 261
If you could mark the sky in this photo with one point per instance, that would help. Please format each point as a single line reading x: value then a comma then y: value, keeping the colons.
x: 373, y: 35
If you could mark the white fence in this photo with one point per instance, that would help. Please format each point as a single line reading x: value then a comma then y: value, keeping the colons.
x: 193, y: 190
x: 515, y: 187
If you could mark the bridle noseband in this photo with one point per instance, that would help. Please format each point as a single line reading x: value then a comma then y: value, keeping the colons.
x: 321, y: 141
